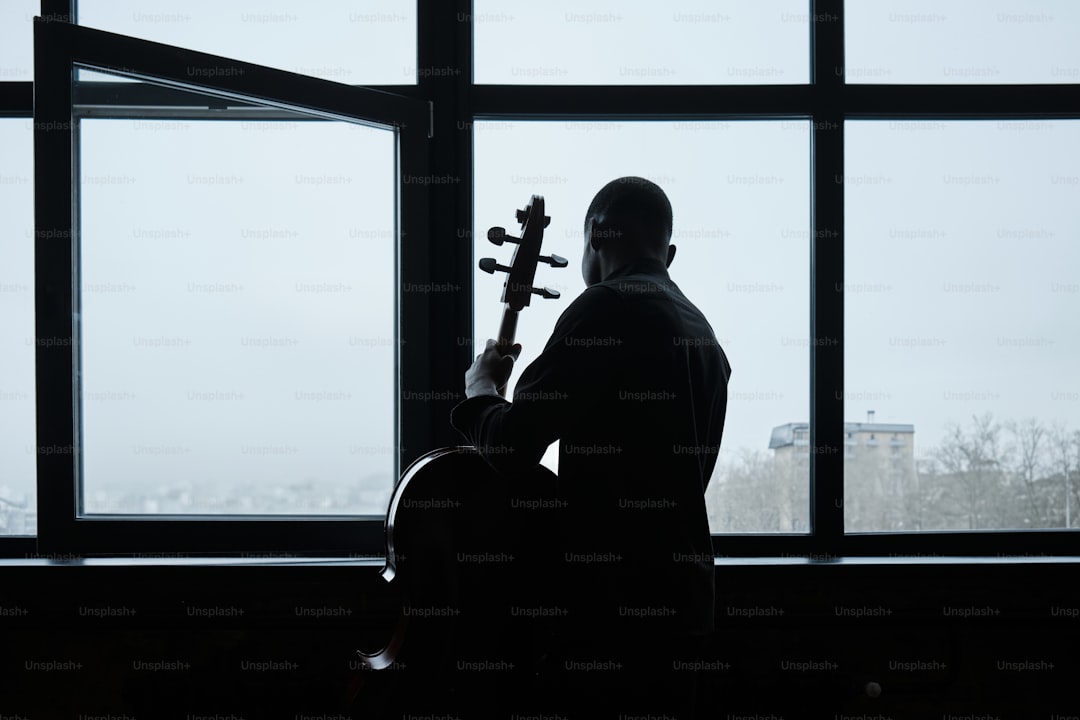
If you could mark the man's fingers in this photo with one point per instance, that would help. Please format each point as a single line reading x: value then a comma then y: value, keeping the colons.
x: 512, y: 352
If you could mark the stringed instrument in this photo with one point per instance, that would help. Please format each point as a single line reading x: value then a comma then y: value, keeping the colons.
x: 461, y: 538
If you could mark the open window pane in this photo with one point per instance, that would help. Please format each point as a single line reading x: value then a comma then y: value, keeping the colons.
x: 740, y: 194
x: 606, y: 42
x: 961, y: 299
x: 237, y: 316
x: 18, y: 470
x: 963, y: 42
x: 370, y: 43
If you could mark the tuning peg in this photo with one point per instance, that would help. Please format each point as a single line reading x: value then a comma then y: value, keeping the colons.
x: 498, y: 236
x: 555, y: 261
x: 489, y: 265
x: 522, y: 215
x: 547, y: 293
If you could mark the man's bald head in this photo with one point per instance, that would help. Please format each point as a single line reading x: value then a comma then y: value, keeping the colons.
x: 633, y: 205
x: 628, y: 220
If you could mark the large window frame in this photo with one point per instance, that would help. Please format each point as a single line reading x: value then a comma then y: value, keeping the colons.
x: 247, y: 91
x: 430, y: 330
x: 827, y: 101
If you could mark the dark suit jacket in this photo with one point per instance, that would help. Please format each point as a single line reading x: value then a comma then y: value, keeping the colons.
x: 633, y: 383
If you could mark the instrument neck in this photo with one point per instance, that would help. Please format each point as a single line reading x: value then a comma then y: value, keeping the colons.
x: 507, y: 328
x: 505, y: 338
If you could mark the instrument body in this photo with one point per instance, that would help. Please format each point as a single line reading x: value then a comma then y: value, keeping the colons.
x: 459, y: 537
x: 464, y: 544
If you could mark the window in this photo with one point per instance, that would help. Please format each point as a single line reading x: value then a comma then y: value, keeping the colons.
x: 834, y: 127
x: 961, y: 233
x: 18, y: 457
x: 231, y: 363
x: 830, y: 96
x: 729, y: 257
x: 961, y: 43
x: 17, y: 48
x: 18, y: 490
x: 222, y: 252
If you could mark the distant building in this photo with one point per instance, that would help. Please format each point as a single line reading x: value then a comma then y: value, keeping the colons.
x: 860, y: 440
x: 879, y: 470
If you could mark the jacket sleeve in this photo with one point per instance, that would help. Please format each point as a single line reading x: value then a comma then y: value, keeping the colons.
x: 551, y: 392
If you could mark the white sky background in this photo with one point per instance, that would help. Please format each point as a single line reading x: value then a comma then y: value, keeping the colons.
x: 963, y: 293
x: 237, y: 304
x: 962, y: 41
x: 686, y: 42
x: 962, y: 267
x: 370, y: 42
x: 17, y: 459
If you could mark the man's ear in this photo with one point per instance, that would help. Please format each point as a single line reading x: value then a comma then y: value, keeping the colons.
x: 599, y: 232
x: 670, y: 254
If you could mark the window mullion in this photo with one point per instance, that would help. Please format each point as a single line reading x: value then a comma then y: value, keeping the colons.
x: 826, y: 268
x: 54, y: 286
x: 434, y: 359
x: 16, y: 99
x: 952, y: 102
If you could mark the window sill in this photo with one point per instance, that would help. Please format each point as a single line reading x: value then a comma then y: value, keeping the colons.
x: 378, y: 562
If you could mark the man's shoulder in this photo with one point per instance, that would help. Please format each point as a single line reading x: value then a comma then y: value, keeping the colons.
x: 639, y: 290
x: 594, y: 301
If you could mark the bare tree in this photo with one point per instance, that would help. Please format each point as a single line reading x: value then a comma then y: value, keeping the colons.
x: 1030, y: 443
x: 983, y: 475
x: 757, y: 491
x: 1064, y: 454
x: 972, y: 473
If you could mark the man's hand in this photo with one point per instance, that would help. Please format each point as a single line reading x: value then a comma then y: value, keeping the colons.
x: 491, y: 370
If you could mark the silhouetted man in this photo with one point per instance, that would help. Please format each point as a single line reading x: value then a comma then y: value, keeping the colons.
x: 633, y: 384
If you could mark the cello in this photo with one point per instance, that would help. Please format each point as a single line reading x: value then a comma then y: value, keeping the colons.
x: 461, y: 539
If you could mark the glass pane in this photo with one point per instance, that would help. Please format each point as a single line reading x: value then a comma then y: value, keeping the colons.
x: 960, y: 309
x: 17, y: 39
x: 607, y: 42
x: 373, y: 43
x: 18, y: 459
x: 238, y: 330
x: 740, y: 193
x: 962, y: 41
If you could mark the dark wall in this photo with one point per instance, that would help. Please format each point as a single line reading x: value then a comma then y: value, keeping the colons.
x: 964, y: 640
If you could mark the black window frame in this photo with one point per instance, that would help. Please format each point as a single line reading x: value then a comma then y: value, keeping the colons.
x: 62, y: 48
x: 826, y: 101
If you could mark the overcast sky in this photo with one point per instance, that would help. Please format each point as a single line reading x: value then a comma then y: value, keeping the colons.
x: 961, y: 253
